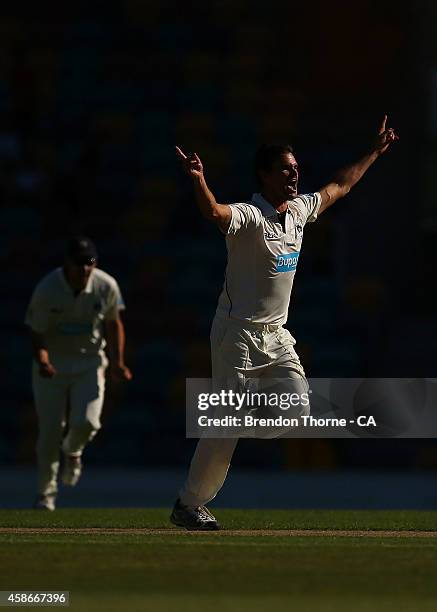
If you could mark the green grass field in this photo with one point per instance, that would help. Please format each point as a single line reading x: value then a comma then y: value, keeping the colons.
x: 165, y: 571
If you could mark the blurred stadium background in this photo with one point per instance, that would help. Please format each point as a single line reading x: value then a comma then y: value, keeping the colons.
x: 93, y: 98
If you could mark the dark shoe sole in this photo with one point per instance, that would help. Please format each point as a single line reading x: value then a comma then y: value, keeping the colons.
x: 213, y: 527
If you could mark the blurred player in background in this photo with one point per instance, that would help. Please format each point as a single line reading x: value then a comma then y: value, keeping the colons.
x: 73, y: 314
x: 263, y: 239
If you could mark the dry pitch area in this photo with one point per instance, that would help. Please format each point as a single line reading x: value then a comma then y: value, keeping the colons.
x: 116, y: 559
x: 320, y: 533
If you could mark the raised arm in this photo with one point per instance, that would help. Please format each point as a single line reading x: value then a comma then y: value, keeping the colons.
x: 219, y: 213
x: 347, y: 177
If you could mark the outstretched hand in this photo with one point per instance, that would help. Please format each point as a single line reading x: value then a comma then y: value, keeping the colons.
x: 191, y: 163
x: 385, y: 137
x: 46, y: 370
x: 120, y: 372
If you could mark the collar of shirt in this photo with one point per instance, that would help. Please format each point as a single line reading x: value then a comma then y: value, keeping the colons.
x: 66, y: 286
x: 266, y: 208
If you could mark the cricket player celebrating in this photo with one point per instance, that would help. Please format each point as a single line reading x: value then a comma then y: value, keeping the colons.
x: 263, y: 239
x: 73, y: 314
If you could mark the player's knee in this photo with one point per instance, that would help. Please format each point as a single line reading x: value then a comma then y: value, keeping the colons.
x: 86, y: 424
x: 47, y: 448
x: 49, y: 437
x: 306, y: 410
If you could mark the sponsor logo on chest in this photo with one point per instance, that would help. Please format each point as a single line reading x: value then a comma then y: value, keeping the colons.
x: 271, y: 236
x: 286, y: 262
x: 75, y: 329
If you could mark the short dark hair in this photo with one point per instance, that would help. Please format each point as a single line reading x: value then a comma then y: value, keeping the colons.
x: 266, y: 155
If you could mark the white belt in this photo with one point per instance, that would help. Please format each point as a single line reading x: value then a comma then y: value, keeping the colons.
x: 264, y: 326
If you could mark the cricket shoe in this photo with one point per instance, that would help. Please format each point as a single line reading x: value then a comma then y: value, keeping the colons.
x: 71, y: 470
x: 193, y: 518
x: 45, y: 502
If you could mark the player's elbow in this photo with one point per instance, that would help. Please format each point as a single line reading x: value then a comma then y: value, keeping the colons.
x: 215, y: 214
x: 343, y: 188
x: 212, y: 215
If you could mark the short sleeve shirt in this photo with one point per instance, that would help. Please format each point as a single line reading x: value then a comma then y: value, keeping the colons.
x: 72, y: 325
x: 262, y: 258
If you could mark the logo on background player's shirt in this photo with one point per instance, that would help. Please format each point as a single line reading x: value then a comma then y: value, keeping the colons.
x: 75, y: 329
x: 286, y: 262
x: 270, y: 236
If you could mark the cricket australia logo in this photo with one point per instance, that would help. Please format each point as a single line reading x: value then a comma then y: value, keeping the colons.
x: 286, y: 262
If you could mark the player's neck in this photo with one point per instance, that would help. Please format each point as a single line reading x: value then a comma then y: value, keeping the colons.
x: 278, y: 204
x: 74, y: 287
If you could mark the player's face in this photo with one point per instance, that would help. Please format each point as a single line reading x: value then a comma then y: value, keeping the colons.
x: 78, y: 271
x: 282, y: 179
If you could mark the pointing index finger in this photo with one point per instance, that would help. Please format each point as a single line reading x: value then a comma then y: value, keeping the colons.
x: 382, y: 128
x: 180, y: 153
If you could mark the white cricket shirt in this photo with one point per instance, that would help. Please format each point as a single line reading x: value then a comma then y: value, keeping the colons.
x: 73, y: 325
x: 262, y: 259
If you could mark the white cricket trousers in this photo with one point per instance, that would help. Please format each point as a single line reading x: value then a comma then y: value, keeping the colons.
x: 83, y: 394
x: 240, y: 351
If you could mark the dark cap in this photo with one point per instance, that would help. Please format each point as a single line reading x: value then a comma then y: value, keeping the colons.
x: 81, y: 250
